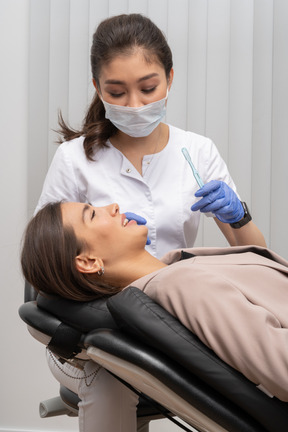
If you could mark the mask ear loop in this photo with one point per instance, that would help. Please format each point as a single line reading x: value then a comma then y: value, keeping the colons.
x: 167, y: 94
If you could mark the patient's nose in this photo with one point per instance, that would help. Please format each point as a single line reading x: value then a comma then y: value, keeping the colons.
x: 113, y: 209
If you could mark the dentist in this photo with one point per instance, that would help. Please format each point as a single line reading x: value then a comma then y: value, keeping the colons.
x: 125, y: 153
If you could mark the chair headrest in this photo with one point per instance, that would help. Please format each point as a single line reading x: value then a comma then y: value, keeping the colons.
x: 83, y: 316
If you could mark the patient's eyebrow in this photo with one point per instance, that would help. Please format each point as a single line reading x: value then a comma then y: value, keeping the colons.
x: 85, y: 208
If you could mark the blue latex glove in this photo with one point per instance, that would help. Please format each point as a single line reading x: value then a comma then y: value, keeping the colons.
x: 140, y: 221
x: 221, y: 200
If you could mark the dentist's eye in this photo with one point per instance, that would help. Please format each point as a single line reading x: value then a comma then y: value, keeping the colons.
x: 149, y: 90
x: 116, y: 95
x: 93, y: 214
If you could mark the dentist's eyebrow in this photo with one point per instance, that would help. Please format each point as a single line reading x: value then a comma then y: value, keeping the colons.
x: 111, y: 81
x: 146, y: 77
x: 85, y: 208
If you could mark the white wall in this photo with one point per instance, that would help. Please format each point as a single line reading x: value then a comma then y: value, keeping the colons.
x: 231, y: 69
x: 25, y: 378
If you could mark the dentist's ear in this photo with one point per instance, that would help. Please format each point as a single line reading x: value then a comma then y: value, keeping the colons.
x: 86, y: 264
x: 96, y: 87
x: 170, y: 78
x: 94, y: 83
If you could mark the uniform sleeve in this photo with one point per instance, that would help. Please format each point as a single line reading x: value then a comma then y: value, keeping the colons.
x: 216, y: 168
x: 60, y: 182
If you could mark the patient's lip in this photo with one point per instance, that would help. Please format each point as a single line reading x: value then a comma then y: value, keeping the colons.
x: 126, y: 221
x: 132, y: 222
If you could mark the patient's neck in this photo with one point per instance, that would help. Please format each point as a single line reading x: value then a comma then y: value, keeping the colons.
x: 136, y: 267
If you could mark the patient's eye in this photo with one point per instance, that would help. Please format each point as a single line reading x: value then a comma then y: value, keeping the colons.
x: 93, y: 214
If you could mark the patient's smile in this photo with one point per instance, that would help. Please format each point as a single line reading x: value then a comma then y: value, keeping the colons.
x: 127, y: 221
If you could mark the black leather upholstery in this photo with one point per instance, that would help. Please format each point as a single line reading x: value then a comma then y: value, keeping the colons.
x: 137, y: 314
x: 67, y: 323
x: 175, y: 377
x: 83, y: 316
x: 143, y: 333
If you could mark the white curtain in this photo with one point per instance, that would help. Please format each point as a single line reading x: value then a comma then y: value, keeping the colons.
x: 231, y: 84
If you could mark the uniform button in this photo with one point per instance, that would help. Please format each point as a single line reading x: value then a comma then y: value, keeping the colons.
x: 128, y: 170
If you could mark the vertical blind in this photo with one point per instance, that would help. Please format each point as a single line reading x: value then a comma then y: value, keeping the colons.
x: 230, y: 84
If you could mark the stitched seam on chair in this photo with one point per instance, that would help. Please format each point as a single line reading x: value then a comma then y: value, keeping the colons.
x: 137, y: 294
x: 183, y: 336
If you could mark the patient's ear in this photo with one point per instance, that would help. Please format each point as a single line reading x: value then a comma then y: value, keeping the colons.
x: 86, y: 264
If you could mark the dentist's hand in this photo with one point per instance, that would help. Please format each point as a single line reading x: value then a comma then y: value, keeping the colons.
x: 221, y: 200
x: 140, y: 221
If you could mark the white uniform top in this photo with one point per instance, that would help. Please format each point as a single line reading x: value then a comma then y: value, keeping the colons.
x: 163, y: 195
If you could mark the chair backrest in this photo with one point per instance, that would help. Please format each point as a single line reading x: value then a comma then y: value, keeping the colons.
x: 139, y: 315
x: 30, y: 294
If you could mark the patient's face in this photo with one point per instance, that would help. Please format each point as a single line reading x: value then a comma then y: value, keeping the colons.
x: 104, y: 229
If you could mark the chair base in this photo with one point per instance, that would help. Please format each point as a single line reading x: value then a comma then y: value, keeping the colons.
x: 134, y: 375
x: 67, y: 404
x: 55, y: 407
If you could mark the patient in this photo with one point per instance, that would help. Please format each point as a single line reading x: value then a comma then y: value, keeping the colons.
x: 234, y: 299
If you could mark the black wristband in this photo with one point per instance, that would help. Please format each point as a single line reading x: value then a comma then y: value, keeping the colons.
x: 246, y: 218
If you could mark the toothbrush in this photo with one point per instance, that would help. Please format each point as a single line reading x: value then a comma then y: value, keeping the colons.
x: 194, y: 170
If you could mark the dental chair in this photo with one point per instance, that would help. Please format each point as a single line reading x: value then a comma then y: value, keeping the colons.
x: 151, y: 352
x: 66, y: 341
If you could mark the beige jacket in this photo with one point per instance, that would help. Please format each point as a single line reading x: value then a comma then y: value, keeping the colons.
x: 236, y: 301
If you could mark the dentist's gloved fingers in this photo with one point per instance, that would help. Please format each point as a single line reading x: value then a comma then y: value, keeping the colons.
x: 228, y: 212
x: 208, y: 188
x: 224, y: 205
x: 213, y: 207
x: 216, y: 197
x: 139, y: 219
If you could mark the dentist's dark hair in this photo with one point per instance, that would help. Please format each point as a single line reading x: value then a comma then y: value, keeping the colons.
x: 118, y: 35
x: 48, y: 259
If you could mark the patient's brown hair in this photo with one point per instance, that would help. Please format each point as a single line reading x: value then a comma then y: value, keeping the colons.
x: 48, y: 258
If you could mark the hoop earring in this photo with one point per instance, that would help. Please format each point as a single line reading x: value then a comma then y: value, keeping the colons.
x: 101, y: 271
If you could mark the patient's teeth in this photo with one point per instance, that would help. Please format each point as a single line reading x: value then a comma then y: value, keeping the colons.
x: 125, y: 222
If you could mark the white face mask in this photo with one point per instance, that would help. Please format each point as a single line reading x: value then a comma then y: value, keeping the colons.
x: 136, y: 121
